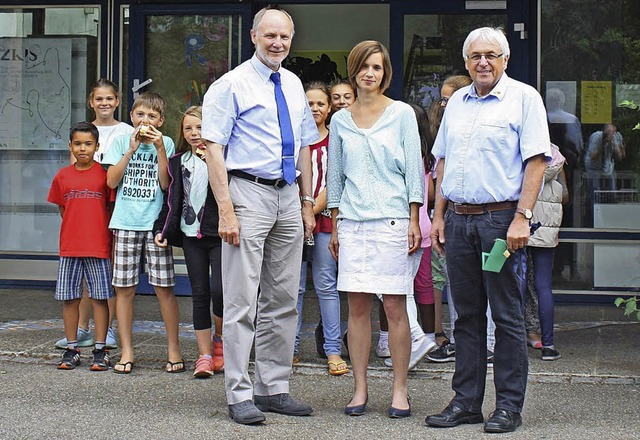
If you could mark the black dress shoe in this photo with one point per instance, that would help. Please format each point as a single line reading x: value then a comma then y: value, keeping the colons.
x: 453, y: 416
x: 503, y: 421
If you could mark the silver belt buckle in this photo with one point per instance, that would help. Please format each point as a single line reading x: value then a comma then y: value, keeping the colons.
x: 277, y: 183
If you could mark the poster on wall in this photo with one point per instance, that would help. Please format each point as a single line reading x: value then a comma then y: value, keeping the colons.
x: 596, y: 102
x: 35, y: 94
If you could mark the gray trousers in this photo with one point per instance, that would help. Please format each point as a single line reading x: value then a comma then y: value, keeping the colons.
x: 269, y: 257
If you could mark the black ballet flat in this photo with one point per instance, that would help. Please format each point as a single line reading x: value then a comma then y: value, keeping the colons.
x: 396, y: 413
x: 357, y: 410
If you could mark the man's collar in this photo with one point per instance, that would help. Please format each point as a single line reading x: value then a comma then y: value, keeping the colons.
x: 498, y: 90
x: 263, y: 71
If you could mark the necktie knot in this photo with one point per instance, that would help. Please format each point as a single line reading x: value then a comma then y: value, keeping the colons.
x: 275, y: 77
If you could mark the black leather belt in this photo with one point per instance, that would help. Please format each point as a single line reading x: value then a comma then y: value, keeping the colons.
x: 467, y: 209
x: 278, y: 183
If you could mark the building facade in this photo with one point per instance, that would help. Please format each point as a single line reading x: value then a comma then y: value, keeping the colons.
x: 582, y: 55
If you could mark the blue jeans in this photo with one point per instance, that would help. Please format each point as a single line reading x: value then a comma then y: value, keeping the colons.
x: 491, y: 327
x: 324, y: 270
x: 542, y: 267
x: 467, y: 236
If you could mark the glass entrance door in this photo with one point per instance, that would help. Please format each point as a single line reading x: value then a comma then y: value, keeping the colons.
x: 431, y: 38
x: 179, y: 51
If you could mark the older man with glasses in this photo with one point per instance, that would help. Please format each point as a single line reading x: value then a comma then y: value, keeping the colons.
x: 492, y: 145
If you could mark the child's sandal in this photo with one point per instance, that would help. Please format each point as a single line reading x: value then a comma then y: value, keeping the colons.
x: 123, y: 368
x: 175, y: 367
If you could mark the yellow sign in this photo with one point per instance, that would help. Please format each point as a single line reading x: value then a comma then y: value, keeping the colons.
x: 596, y: 102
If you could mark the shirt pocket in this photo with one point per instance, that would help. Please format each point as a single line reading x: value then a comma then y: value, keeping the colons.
x: 492, y: 135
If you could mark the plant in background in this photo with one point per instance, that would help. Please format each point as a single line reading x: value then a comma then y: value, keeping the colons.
x: 633, y: 106
x: 631, y: 304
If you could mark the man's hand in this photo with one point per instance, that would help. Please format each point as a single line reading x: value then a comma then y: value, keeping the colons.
x: 308, y: 219
x: 437, y: 234
x: 518, y: 233
x: 228, y: 226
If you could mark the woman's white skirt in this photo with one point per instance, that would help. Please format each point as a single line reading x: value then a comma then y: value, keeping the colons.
x: 373, y: 257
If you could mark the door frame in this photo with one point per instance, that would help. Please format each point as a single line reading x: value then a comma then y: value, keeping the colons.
x: 524, y: 52
x: 137, y: 36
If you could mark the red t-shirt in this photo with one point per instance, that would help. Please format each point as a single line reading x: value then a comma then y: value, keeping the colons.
x: 319, y: 179
x: 85, y: 197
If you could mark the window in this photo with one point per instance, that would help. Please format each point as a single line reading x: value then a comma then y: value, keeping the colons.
x: 48, y: 62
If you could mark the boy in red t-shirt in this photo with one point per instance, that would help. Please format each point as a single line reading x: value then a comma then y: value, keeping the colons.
x: 85, y: 201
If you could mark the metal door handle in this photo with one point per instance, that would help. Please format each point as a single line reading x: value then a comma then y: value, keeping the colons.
x: 137, y: 85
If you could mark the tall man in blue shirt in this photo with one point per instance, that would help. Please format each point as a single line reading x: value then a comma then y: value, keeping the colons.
x: 254, y: 141
x: 492, y: 146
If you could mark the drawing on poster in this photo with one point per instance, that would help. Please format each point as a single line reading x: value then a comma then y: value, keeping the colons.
x: 35, y: 97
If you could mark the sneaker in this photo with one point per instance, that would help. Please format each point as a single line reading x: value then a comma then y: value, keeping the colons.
x: 445, y: 353
x: 101, y: 361
x: 419, y: 348
x: 70, y: 359
x: 533, y: 340
x: 382, y: 350
x: 203, y: 367
x: 217, y: 352
x: 111, y: 343
x: 550, y: 354
x: 489, y: 358
x: 84, y: 339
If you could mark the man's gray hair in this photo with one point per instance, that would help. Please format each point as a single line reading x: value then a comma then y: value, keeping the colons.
x: 258, y: 17
x: 488, y: 34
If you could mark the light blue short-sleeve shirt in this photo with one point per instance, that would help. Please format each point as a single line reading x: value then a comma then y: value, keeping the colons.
x: 239, y: 111
x: 139, y: 197
x: 486, y: 140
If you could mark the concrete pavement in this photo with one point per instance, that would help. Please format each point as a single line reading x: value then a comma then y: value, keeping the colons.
x: 592, y: 392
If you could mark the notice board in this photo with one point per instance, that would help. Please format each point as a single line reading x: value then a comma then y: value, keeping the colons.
x: 35, y: 93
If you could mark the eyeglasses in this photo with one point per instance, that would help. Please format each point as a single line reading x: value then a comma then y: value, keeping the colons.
x: 476, y: 57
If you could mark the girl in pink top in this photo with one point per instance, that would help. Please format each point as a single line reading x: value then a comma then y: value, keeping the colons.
x: 423, y: 281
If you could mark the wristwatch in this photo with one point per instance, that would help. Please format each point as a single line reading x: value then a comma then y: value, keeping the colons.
x: 308, y: 199
x: 524, y: 211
